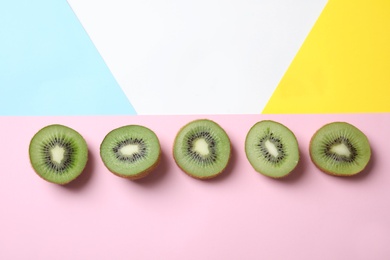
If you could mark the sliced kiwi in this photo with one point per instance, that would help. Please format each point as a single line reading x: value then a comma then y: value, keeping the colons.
x: 202, y: 149
x: 58, y: 153
x: 272, y: 149
x: 340, y: 148
x: 131, y: 151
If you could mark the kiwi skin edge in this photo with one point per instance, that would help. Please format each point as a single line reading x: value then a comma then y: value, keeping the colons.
x: 59, y: 183
x: 86, y: 156
x: 140, y: 174
x: 284, y: 176
x: 206, y: 177
x: 298, y: 152
x: 292, y: 170
x: 203, y: 177
x: 330, y: 172
x: 120, y: 171
x: 333, y: 173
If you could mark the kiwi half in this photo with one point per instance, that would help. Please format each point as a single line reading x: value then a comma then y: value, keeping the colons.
x: 272, y: 149
x: 58, y: 154
x: 340, y: 148
x: 131, y: 151
x: 202, y: 149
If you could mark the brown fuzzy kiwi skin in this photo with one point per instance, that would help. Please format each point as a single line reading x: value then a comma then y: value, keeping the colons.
x: 324, y: 170
x: 288, y: 174
x: 142, y: 174
x: 292, y: 170
x: 272, y: 177
x: 58, y: 183
x: 332, y: 173
x: 205, y: 177
x: 299, y: 159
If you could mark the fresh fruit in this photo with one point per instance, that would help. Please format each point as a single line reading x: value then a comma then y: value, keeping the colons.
x: 202, y: 149
x: 131, y: 151
x: 340, y: 148
x: 272, y: 149
x: 58, y: 153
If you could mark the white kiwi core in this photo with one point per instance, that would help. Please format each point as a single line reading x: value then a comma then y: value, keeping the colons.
x: 57, y: 154
x: 201, y: 147
x: 271, y: 148
x: 341, y: 149
x: 129, y: 149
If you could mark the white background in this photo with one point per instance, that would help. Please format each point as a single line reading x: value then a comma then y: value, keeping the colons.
x: 198, y: 57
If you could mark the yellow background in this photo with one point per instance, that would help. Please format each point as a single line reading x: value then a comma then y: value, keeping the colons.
x: 343, y: 65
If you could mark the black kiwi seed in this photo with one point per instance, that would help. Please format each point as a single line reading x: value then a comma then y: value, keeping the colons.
x: 202, y: 149
x: 339, y: 148
x: 131, y: 151
x: 272, y: 149
x: 58, y: 154
x: 142, y: 150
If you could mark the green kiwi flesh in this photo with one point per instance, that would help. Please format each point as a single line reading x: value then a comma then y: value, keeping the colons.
x: 130, y: 151
x: 202, y: 149
x: 58, y: 153
x: 340, y: 148
x: 272, y: 149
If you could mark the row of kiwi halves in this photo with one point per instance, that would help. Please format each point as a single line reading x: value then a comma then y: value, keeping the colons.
x: 202, y: 149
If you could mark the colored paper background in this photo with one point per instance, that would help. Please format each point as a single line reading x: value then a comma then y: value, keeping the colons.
x: 238, y: 54
x: 169, y: 215
x: 343, y: 65
x: 198, y: 56
x: 49, y: 65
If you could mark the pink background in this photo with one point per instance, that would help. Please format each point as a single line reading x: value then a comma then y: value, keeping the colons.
x: 169, y: 215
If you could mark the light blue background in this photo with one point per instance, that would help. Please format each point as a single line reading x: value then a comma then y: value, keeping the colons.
x: 49, y: 66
